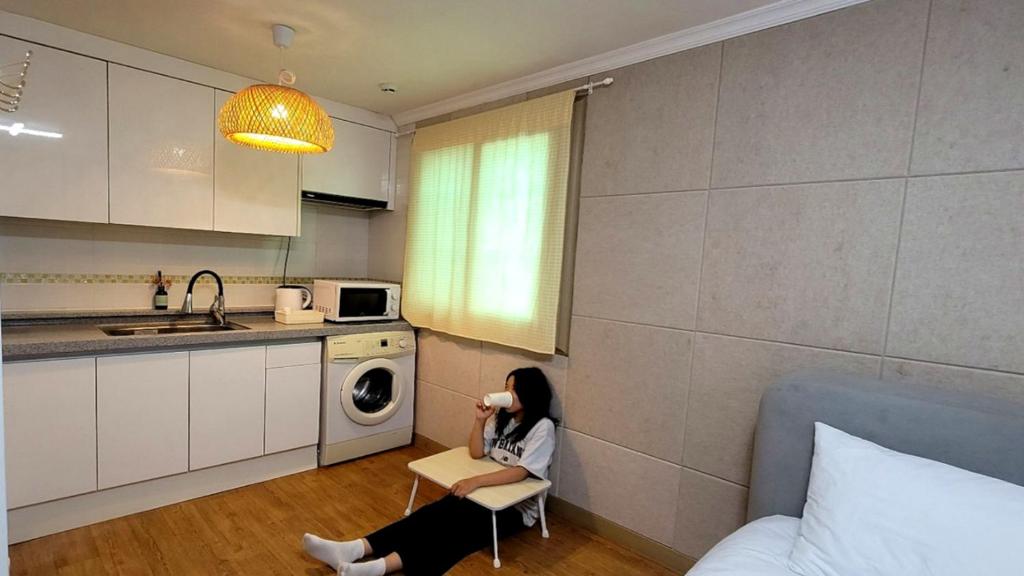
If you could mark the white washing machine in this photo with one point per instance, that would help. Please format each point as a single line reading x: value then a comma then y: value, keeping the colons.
x: 366, y: 399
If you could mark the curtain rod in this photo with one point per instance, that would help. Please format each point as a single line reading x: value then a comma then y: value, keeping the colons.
x: 588, y: 87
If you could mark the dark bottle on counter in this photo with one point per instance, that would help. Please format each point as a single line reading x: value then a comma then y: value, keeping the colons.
x: 160, y: 298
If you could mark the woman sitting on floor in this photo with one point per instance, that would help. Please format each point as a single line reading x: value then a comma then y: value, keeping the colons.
x: 437, y: 536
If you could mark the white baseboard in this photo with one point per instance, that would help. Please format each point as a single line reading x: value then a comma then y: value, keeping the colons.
x: 59, y: 515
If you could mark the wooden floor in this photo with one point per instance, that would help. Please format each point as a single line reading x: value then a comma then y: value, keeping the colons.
x: 257, y: 530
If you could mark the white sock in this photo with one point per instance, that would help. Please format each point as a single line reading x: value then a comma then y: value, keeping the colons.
x: 371, y: 568
x: 331, y: 552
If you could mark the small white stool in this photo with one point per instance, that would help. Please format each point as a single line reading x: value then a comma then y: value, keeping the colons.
x: 449, y: 467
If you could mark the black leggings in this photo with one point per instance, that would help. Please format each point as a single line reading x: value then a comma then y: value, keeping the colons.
x: 435, y: 537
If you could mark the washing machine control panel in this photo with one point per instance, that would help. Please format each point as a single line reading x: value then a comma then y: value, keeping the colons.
x: 376, y: 344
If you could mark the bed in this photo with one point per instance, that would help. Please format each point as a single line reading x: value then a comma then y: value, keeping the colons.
x: 969, y: 431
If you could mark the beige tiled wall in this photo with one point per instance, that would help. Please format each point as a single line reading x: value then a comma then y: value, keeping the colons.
x: 334, y: 242
x: 862, y: 212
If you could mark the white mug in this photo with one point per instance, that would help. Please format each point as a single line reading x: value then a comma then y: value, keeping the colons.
x: 498, y: 400
x: 292, y: 297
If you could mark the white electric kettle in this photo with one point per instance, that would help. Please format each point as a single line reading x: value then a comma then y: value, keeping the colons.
x: 289, y: 297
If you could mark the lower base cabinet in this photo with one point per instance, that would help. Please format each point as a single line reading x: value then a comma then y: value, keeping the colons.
x: 227, y: 393
x: 293, y: 407
x: 50, y: 429
x: 77, y: 425
x: 141, y: 417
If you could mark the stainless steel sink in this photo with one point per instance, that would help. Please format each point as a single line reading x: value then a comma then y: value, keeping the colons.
x: 168, y: 328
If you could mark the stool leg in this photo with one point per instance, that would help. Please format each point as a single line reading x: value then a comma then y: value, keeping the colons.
x: 541, y: 500
x: 494, y: 527
x: 415, y: 485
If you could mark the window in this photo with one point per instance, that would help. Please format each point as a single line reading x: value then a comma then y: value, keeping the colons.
x: 486, y: 224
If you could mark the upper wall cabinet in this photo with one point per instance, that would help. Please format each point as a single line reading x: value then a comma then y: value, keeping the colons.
x: 161, y: 150
x: 56, y: 178
x: 357, y: 166
x: 142, y: 148
x: 254, y: 191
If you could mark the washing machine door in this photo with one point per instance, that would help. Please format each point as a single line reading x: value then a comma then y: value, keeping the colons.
x: 372, y: 391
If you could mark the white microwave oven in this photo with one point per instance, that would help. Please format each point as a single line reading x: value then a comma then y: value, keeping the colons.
x: 356, y: 300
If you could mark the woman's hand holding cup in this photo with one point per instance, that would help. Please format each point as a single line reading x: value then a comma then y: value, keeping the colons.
x: 484, y: 412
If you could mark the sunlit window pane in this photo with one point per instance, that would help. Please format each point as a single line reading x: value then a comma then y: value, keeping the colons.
x: 508, y: 228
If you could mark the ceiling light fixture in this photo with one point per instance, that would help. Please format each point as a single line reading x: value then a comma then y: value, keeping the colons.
x: 277, y: 117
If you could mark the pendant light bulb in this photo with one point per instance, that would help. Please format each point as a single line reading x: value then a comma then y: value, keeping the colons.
x: 278, y: 117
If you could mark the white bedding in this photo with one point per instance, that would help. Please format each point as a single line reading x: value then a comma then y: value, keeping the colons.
x: 760, y: 548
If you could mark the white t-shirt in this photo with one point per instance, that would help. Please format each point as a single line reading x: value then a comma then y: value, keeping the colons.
x: 533, y: 452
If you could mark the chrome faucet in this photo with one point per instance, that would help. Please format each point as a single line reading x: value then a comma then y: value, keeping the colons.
x: 217, y: 308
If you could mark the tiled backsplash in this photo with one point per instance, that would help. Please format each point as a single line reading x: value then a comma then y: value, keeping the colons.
x: 47, y: 265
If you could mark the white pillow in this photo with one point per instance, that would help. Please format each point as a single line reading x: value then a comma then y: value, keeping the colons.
x: 873, y: 511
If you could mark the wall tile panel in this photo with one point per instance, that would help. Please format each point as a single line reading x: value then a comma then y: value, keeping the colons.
x: 709, y: 509
x: 636, y: 491
x: 638, y: 258
x: 442, y: 415
x: 729, y: 376
x: 971, y: 115
x: 628, y: 384
x: 827, y: 98
x: 808, y: 264
x: 959, y: 292
x: 1007, y: 387
x: 651, y: 130
x: 449, y: 361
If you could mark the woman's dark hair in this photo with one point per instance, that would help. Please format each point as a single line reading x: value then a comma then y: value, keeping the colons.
x: 534, y: 394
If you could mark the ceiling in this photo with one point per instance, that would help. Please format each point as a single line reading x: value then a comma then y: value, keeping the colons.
x: 343, y: 49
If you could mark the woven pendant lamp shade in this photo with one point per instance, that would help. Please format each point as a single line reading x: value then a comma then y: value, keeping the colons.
x: 276, y: 118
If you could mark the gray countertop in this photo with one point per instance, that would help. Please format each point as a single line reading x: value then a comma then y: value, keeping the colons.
x: 78, y: 336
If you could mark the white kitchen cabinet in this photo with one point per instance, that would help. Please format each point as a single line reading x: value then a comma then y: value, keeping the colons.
x: 227, y: 389
x: 255, y: 191
x: 141, y: 417
x: 56, y: 178
x: 281, y: 355
x: 161, y: 150
x: 358, y: 165
x: 50, y: 429
x: 293, y: 407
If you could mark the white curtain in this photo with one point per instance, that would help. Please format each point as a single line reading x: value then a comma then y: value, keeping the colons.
x: 486, y: 224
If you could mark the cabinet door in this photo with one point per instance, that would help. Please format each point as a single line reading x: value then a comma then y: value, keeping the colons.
x: 281, y: 355
x: 226, y: 399
x: 56, y: 178
x: 293, y: 407
x: 357, y: 166
x: 254, y: 191
x: 141, y: 417
x: 161, y: 150
x: 50, y: 428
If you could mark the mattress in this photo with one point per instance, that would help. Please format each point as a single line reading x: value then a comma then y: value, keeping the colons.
x: 760, y: 548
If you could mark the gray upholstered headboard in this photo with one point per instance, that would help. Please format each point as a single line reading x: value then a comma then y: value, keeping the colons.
x: 973, y: 432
